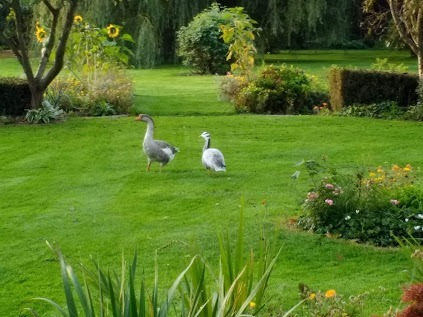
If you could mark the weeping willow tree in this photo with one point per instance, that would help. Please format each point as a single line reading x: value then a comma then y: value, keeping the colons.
x: 308, y: 23
x: 286, y: 23
x: 152, y: 24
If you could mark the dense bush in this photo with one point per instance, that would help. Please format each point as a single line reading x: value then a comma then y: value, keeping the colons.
x: 200, y: 44
x: 15, y: 96
x: 367, y: 206
x: 348, y: 87
x: 277, y: 90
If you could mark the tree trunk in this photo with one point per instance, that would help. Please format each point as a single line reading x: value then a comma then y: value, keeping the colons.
x: 420, y: 64
x: 37, y: 94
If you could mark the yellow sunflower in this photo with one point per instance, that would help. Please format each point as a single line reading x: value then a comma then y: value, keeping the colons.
x: 41, y: 34
x: 77, y: 19
x: 112, y: 31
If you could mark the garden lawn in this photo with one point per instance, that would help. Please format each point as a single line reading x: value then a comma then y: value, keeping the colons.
x: 82, y: 185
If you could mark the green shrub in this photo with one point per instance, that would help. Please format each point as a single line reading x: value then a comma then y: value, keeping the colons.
x: 282, y: 90
x: 367, y: 206
x: 15, y: 96
x: 414, y: 113
x: 382, y: 110
x: 351, y: 86
x: 200, y: 44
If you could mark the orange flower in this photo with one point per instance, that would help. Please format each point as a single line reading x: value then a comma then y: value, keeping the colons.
x: 395, y: 168
x: 330, y: 293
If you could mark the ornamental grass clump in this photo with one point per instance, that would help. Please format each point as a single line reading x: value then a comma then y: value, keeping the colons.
x: 368, y: 205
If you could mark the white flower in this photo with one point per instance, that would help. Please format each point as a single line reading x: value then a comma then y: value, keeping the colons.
x: 357, y: 211
x: 416, y: 228
x: 420, y: 216
x: 406, y: 219
x: 348, y: 217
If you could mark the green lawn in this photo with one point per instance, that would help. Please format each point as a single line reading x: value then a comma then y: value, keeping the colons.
x: 82, y: 185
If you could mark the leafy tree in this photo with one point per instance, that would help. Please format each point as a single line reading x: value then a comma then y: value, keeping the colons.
x: 407, y: 16
x: 53, y: 40
x: 218, y: 40
x: 200, y: 43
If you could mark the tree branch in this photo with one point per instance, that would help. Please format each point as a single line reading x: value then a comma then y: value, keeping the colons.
x: 400, y: 25
x: 61, y: 47
x: 48, y: 46
x: 21, y: 47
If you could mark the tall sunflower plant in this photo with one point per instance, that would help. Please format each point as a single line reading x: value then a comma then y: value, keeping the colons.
x: 97, y: 49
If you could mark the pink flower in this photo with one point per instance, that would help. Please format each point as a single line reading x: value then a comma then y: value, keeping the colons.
x: 329, y: 202
x: 312, y: 195
x: 329, y: 186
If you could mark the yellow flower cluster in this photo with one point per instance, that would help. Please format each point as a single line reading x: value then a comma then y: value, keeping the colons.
x: 386, y: 177
x: 328, y: 294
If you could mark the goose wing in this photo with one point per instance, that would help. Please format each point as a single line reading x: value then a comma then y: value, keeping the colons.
x: 167, y: 147
x: 160, y: 151
x: 213, y: 159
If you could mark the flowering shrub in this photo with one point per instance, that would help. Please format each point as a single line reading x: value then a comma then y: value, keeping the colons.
x: 368, y: 205
x: 284, y: 90
x: 330, y: 304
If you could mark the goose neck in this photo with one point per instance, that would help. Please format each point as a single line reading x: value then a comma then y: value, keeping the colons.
x: 206, y: 144
x: 150, y: 131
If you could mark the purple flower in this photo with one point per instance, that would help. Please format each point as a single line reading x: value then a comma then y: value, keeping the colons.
x: 329, y: 202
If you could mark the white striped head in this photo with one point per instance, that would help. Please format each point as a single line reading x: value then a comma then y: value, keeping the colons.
x: 205, y: 135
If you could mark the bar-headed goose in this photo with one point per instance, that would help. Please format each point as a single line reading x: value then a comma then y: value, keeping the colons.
x: 212, y: 159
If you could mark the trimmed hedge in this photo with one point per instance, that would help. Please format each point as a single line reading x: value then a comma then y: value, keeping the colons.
x: 15, y: 96
x: 352, y: 86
